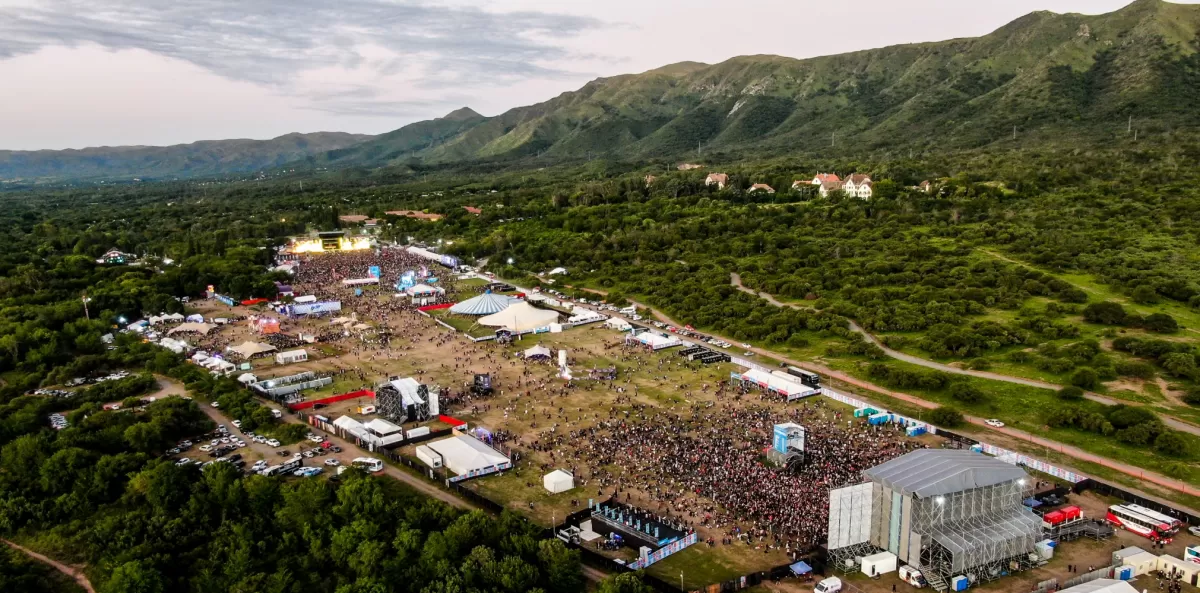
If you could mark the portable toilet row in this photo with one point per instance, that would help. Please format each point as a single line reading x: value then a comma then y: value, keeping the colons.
x: 880, y: 418
x: 915, y: 430
x: 959, y: 583
x: 865, y: 412
x: 1124, y: 573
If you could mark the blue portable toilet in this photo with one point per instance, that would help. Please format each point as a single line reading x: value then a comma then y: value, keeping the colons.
x: 1125, y: 573
x: 977, y: 448
x: 881, y: 418
x: 959, y: 583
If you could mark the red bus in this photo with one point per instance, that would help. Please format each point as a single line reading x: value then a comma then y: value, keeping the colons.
x: 1121, y: 516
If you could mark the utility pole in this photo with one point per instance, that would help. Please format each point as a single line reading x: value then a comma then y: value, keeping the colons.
x: 1014, y: 132
x: 833, y: 139
x: 85, y: 300
x: 1129, y: 127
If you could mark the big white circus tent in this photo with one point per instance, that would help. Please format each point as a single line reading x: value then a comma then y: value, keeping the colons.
x: 520, y: 317
x: 537, y: 352
x: 250, y: 349
x: 484, y: 304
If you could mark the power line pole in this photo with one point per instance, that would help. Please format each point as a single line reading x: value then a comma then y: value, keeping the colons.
x: 1129, y: 127
x: 1014, y: 132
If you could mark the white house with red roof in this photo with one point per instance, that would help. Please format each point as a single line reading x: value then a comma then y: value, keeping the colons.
x: 717, y: 179
x: 859, y: 186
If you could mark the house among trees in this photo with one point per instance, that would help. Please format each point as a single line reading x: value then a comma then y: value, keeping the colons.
x: 688, y: 166
x: 858, y: 185
x: 650, y: 180
x: 415, y: 214
x: 761, y: 187
x: 925, y: 186
x: 115, y: 257
x: 717, y: 179
x: 827, y: 182
x: 473, y: 210
x: 353, y: 218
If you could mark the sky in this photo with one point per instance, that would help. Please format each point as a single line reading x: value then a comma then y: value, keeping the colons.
x: 77, y: 73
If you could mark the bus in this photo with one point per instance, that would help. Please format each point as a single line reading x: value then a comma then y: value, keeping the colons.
x: 1173, y: 524
x: 808, y: 378
x: 368, y: 464
x: 1121, y: 516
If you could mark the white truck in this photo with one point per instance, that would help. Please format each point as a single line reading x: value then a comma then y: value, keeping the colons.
x: 829, y: 585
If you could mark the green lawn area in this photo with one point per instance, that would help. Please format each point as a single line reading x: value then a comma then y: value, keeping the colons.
x: 511, y: 489
x: 470, y: 282
x: 702, y: 565
x: 463, y: 323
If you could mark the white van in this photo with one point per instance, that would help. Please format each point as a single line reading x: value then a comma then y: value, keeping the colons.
x: 829, y: 585
x: 630, y: 310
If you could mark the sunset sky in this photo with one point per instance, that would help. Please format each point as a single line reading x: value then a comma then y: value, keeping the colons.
x: 116, y: 72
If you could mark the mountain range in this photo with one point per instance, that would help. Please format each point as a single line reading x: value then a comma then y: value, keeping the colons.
x: 1044, y: 78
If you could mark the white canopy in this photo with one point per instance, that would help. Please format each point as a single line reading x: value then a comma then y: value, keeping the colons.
x: 199, y: 328
x: 382, y: 427
x: 249, y: 349
x: 305, y: 299
x: 247, y: 378
x: 538, y: 351
x: 199, y: 357
x: 484, y: 304
x: 558, y: 481
x: 421, y: 289
x: 520, y: 317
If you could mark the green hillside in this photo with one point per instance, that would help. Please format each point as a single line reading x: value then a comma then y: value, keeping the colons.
x: 206, y: 158
x: 1055, y: 78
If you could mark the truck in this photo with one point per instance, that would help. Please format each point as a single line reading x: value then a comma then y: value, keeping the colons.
x: 912, y: 576
x: 829, y: 585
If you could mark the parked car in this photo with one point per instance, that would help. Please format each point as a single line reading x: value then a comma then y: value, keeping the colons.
x: 215, y: 405
x: 331, y: 462
x: 994, y: 422
x: 1194, y: 530
x: 308, y: 454
x: 273, y: 442
x: 336, y: 449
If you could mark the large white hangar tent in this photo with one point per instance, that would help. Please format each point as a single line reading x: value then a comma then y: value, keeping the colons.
x: 1101, y: 586
x: 466, y: 455
x: 484, y: 304
x: 520, y: 317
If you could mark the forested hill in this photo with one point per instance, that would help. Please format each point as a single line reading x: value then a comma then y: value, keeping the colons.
x: 207, y: 158
x: 1056, y: 78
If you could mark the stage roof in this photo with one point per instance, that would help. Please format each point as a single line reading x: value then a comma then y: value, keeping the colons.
x: 200, y: 328
x: 248, y: 349
x: 934, y: 472
x: 484, y: 304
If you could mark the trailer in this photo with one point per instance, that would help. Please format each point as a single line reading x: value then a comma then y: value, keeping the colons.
x: 291, y: 356
x: 429, y: 457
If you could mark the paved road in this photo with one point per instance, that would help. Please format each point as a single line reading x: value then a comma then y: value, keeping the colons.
x: 75, y: 574
x: 1075, y: 452
x: 1177, y: 424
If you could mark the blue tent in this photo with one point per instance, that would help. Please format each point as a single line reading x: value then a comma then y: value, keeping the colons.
x: 800, y: 568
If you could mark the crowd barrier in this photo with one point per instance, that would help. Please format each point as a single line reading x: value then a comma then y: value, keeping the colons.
x: 332, y: 399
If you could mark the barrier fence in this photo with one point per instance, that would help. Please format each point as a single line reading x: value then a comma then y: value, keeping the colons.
x: 304, y: 405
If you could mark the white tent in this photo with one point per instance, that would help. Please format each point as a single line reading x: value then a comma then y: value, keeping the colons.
x: 199, y: 357
x: 1101, y: 586
x: 251, y: 349
x: 199, y: 328
x: 618, y: 324
x: 173, y: 317
x: 557, y: 271
x: 247, y: 378
x: 520, y: 317
x: 464, y: 454
x: 538, y: 351
x: 305, y: 299
x: 418, y: 289
x: 558, y: 481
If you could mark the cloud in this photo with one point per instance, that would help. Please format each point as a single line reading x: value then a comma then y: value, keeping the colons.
x: 280, y: 43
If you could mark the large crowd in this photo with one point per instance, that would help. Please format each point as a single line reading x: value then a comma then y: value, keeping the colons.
x: 698, y: 462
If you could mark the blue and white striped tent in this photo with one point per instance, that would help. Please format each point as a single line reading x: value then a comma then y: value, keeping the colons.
x: 484, y: 304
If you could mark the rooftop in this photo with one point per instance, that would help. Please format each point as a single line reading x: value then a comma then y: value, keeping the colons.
x: 934, y: 472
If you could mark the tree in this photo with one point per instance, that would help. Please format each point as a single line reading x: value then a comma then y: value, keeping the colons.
x: 1070, y: 393
x: 1160, y: 323
x: 1180, y: 364
x: 946, y: 417
x: 966, y: 392
x: 134, y: 577
x: 1171, y: 443
x: 1106, y: 313
x: 1144, y: 295
x: 1084, y: 378
x: 624, y: 583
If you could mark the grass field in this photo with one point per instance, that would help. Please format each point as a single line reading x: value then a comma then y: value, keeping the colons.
x: 463, y: 323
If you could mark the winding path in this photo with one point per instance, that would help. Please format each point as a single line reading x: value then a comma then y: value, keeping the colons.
x: 75, y: 573
x: 736, y: 280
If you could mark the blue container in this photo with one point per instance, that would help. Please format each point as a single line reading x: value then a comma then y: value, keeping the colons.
x: 1125, y: 573
x: 959, y: 584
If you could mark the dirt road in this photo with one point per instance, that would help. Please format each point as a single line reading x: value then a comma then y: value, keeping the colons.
x: 75, y: 573
x: 1175, y: 423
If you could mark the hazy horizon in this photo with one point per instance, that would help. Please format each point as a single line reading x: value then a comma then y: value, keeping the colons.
x: 122, y: 72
